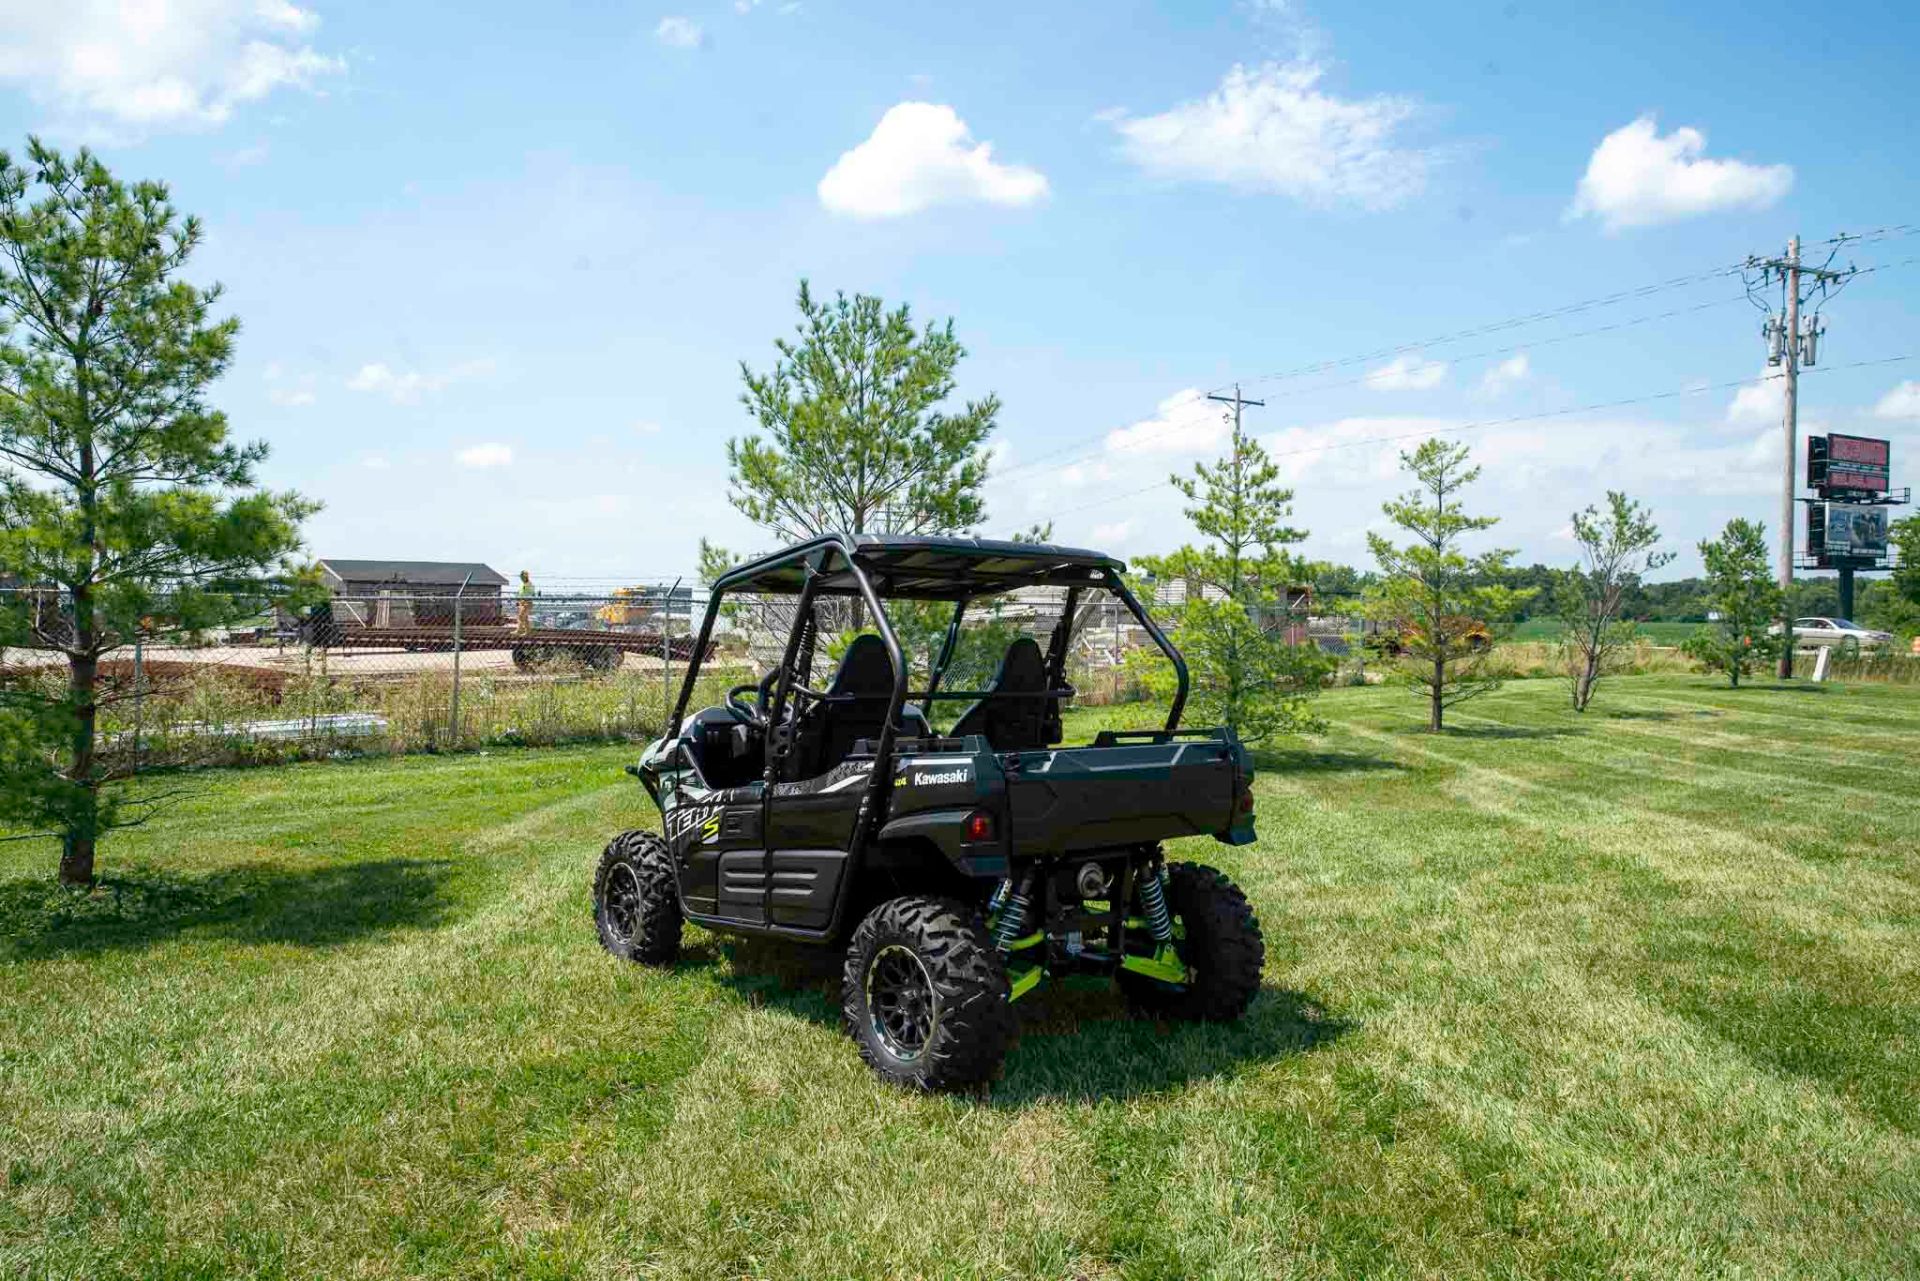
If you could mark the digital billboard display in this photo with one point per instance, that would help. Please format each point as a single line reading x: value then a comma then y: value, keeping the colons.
x: 1841, y: 464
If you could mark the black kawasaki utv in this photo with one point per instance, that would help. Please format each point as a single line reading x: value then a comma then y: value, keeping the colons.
x: 958, y: 868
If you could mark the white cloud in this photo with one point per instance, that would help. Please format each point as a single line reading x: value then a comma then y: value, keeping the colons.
x: 679, y: 33
x: 491, y: 454
x: 1762, y: 401
x: 921, y: 155
x: 244, y: 157
x: 290, y: 397
x: 1408, y: 373
x: 149, y: 66
x: 647, y: 427
x: 410, y: 387
x: 1272, y: 128
x: 1902, y: 402
x: 375, y: 462
x: 1188, y: 423
x: 1511, y: 372
x: 1636, y: 178
x: 1112, y: 532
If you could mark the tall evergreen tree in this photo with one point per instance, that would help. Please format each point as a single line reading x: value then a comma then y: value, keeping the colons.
x: 855, y: 436
x: 124, y: 506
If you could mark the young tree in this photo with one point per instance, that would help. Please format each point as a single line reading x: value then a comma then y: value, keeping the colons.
x: 1616, y: 547
x: 1898, y: 598
x: 1440, y: 607
x: 855, y: 439
x: 1244, y: 672
x: 123, y: 504
x: 1742, y: 592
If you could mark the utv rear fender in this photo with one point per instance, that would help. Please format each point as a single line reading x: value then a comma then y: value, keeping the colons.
x: 946, y: 831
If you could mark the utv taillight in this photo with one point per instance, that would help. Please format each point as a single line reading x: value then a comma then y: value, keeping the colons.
x: 1245, y: 803
x: 979, y: 826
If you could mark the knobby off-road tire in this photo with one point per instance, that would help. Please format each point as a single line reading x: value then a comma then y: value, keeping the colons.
x: 634, y: 906
x: 1222, y: 947
x: 925, y: 996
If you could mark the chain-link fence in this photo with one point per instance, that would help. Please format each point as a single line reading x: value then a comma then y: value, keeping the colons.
x: 391, y: 672
x: 414, y: 669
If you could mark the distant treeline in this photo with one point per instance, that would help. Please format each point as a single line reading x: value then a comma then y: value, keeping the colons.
x: 1679, y: 600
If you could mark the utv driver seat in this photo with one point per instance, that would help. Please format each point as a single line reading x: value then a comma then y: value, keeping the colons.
x: 1017, y: 724
x: 856, y: 708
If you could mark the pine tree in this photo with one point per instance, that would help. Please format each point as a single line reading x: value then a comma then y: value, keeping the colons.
x: 1232, y: 628
x: 125, y: 510
x: 1441, y: 608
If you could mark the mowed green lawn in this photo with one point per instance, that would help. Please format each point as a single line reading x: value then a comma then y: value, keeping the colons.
x: 1632, y: 994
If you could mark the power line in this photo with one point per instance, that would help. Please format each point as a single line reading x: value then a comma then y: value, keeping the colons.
x: 1695, y: 390
x: 1486, y: 354
x: 1044, y: 459
x: 1551, y: 313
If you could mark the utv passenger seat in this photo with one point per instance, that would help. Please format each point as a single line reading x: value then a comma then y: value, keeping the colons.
x: 1016, y: 724
x: 861, y: 688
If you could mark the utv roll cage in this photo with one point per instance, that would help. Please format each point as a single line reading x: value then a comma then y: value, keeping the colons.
x: 876, y: 568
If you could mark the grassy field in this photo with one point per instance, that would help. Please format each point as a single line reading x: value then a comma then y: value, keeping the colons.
x: 1635, y: 994
x: 1546, y: 629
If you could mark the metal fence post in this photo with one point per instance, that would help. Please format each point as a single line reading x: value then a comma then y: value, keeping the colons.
x: 666, y: 654
x: 453, y: 716
x: 139, y: 699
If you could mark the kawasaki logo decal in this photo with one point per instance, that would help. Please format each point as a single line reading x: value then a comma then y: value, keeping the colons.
x: 961, y: 775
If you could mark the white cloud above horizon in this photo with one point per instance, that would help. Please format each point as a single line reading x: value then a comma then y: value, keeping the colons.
x: 920, y: 155
x: 1763, y: 400
x: 489, y: 454
x: 1902, y: 401
x: 1636, y: 178
x: 677, y: 32
x: 1272, y: 128
x: 187, y: 64
x: 1186, y: 422
x: 410, y: 387
x: 1407, y: 373
x: 1506, y: 375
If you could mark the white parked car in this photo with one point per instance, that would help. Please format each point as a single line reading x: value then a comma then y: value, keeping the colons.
x: 1815, y: 632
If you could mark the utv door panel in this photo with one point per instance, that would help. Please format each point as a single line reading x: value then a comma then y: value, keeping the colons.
x: 743, y: 885
x: 822, y: 820
x: 803, y: 885
x: 699, y: 877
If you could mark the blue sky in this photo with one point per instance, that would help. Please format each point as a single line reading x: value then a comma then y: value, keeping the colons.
x: 497, y: 264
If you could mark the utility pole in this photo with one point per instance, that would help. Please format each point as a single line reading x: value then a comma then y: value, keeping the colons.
x: 1790, y: 423
x: 1787, y: 343
x: 1238, y: 402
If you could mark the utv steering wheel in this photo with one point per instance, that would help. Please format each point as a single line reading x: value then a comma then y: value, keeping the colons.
x: 753, y: 713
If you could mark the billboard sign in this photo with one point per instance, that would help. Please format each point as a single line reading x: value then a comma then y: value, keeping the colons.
x: 1848, y: 532
x: 1840, y: 464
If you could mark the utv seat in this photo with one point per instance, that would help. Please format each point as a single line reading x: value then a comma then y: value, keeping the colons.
x: 1025, y: 722
x: 855, y: 708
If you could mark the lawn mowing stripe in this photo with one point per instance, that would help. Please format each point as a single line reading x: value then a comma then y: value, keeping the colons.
x: 1736, y: 854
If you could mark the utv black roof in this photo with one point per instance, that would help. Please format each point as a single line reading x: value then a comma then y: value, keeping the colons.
x: 920, y: 567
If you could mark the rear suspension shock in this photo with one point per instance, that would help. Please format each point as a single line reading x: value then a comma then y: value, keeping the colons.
x: 1013, y: 916
x: 1153, y: 898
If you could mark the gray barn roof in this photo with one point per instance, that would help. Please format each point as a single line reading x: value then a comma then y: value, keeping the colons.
x: 423, y: 573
